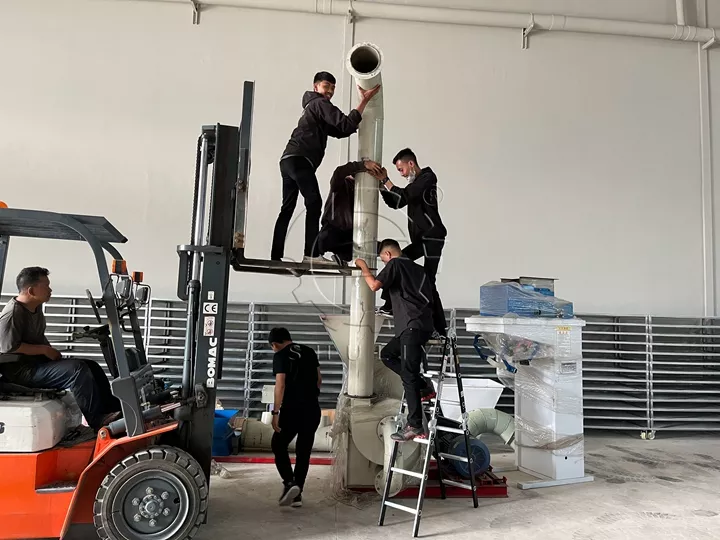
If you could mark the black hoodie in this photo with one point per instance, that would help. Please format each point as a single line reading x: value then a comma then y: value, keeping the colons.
x: 420, y: 197
x: 340, y: 202
x: 319, y: 119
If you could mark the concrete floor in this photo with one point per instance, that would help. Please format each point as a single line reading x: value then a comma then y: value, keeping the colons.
x: 666, y: 488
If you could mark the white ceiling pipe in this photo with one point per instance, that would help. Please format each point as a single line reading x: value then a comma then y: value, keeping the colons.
x: 680, y: 8
x: 377, y: 10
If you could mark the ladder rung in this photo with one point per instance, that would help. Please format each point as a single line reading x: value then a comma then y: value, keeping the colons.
x: 458, y: 484
x: 421, y: 441
x: 453, y: 457
x: 402, y: 507
x: 451, y: 430
x: 408, y: 473
x: 437, y: 374
x: 443, y: 400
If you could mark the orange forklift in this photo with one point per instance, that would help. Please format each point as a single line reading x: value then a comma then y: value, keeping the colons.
x: 145, y: 476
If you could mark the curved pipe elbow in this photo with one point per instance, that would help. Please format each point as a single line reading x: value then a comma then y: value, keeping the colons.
x: 364, y: 63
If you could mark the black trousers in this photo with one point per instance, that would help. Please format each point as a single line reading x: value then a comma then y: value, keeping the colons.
x: 339, y: 241
x: 404, y: 355
x: 298, y: 176
x: 302, y: 422
x: 84, y: 378
x: 431, y: 250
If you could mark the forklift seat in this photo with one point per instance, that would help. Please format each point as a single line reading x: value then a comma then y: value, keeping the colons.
x: 12, y: 389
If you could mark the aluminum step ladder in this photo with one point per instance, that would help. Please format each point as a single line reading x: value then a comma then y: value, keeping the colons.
x: 450, y: 368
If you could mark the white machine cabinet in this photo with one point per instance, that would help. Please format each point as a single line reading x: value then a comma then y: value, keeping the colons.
x: 548, y: 398
x: 30, y: 425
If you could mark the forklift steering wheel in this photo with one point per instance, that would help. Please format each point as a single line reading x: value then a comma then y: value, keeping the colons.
x: 94, y: 305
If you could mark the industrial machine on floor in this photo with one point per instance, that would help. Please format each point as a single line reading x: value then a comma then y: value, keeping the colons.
x: 143, y: 477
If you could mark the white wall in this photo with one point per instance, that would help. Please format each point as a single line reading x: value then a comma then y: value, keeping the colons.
x: 578, y: 158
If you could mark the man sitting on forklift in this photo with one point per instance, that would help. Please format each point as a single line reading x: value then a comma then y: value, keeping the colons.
x: 28, y: 359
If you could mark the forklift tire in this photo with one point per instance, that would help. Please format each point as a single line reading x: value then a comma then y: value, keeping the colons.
x: 158, y: 493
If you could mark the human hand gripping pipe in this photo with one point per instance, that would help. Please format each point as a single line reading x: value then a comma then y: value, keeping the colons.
x: 364, y: 63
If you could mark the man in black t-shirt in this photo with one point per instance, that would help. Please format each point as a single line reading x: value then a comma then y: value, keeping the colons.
x: 411, y: 293
x: 296, y: 411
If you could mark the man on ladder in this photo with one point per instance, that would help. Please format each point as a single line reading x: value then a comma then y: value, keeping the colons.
x: 411, y: 294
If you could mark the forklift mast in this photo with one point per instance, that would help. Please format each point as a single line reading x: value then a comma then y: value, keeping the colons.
x: 204, y: 270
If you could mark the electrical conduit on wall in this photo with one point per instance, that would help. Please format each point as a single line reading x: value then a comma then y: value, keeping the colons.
x: 470, y: 17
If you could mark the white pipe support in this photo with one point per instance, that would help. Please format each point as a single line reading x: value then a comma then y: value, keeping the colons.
x: 364, y: 62
x: 470, y: 17
x: 680, y: 9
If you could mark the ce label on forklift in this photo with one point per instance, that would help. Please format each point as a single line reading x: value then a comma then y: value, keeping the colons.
x: 210, y: 308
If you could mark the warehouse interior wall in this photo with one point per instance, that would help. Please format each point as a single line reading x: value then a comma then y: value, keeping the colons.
x: 578, y: 158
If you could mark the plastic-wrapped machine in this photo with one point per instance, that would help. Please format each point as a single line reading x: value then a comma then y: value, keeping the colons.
x: 498, y: 299
x: 541, y: 360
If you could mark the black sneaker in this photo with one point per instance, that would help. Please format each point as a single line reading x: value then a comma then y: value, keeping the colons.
x: 290, y: 491
x: 297, y: 501
x: 387, y: 312
x: 408, y: 433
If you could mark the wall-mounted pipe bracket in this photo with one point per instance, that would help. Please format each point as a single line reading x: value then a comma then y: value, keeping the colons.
x: 351, y: 15
x: 710, y: 43
x: 526, y: 33
x: 196, y: 11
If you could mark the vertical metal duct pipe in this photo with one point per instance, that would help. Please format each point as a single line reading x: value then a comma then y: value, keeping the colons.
x: 364, y: 63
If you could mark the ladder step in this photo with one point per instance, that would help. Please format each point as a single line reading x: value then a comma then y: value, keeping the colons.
x: 458, y: 484
x: 451, y: 430
x: 437, y: 374
x: 443, y: 400
x: 453, y: 457
x: 421, y: 441
x: 402, y: 507
x: 407, y: 473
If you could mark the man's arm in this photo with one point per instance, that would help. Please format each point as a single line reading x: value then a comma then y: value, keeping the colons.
x: 391, y: 195
x: 345, y: 125
x: 346, y: 170
x: 279, y: 391
x: 340, y: 125
x: 37, y: 350
x: 319, y: 378
x: 373, y: 283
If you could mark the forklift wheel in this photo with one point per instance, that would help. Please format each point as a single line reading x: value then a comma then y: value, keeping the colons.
x: 159, y: 493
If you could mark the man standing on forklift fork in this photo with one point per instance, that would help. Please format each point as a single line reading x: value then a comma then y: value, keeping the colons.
x: 28, y: 359
x: 296, y: 411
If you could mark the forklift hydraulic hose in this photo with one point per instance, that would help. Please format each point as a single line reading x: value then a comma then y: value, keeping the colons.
x: 118, y: 427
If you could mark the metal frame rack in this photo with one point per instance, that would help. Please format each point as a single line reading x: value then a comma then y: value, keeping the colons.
x: 643, y: 374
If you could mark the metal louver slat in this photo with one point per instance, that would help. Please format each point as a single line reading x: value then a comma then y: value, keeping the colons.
x: 639, y: 373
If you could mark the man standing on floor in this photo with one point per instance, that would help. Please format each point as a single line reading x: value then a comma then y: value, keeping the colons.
x: 426, y: 230
x: 411, y: 294
x: 304, y: 154
x: 296, y: 411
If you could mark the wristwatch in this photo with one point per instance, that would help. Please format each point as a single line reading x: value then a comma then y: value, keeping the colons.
x: 384, y: 181
x: 275, y: 413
